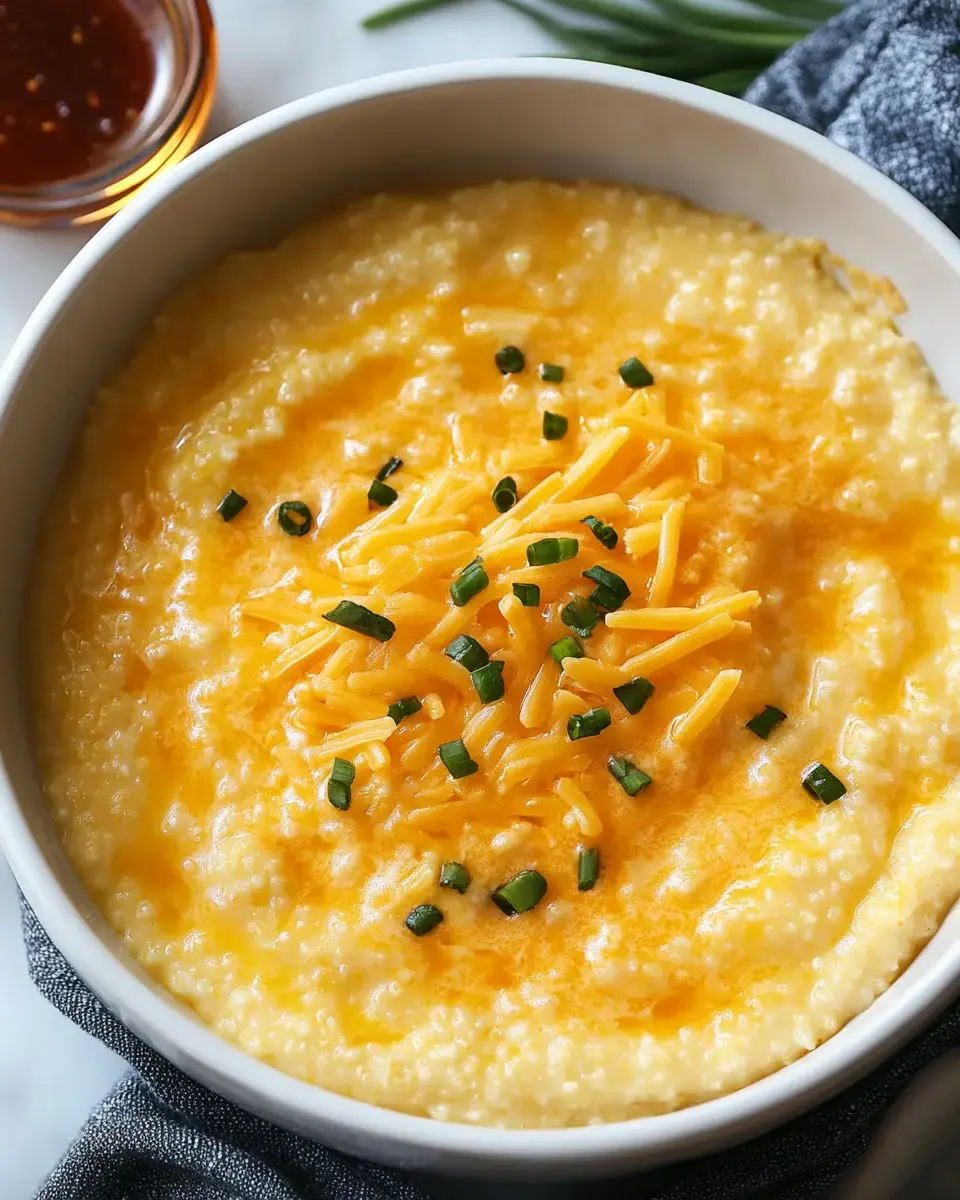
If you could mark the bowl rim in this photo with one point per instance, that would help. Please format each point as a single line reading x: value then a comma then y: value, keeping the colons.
x: 161, y: 1020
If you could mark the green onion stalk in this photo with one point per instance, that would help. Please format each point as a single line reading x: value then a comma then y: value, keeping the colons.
x: 684, y: 39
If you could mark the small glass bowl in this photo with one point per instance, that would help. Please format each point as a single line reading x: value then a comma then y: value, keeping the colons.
x: 181, y: 35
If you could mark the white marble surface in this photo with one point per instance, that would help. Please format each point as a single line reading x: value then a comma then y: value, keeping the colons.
x: 271, y: 52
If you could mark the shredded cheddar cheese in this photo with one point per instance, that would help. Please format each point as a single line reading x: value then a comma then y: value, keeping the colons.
x: 643, y: 539
x: 707, y: 708
x: 598, y: 454
x: 668, y: 551
x: 679, y: 619
x: 580, y: 807
x: 356, y: 735
x: 535, y: 706
x: 301, y: 653
x: 709, y: 454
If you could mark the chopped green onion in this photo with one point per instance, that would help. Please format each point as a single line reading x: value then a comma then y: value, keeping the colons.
x: 604, y: 598
x: 520, y: 894
x: 605, y: 534
x: 340, y: 782
x: 765, y: 722
x: 404, y: 708
x: 381, y: 493
x: 552, y: 550
x: 528, y: 594
x: 566, y: 647
x: 469, y: 583
x: 634, y: 695
x: 630, y: 777
x: 612, y: 591
x: 455, y: 875
x: 388, y: 468
x: 361, y: 620
x: 488, y: 680
x: 467, y: 652
x: 822, y: 783
x: 580, y: 616
x: 554, y: 426
x: 634, y: 374
x: 294, y: 518
x: 505, y: 494
x: 588, y: 724
x: 231, y: 504
x: 423, y: 919
x: 588, y: 869
x: 509, y: 360
x: 457, y: 760
x: 551, y: 373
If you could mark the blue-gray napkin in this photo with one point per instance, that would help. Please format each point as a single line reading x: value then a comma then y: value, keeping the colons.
x: 883, y: 80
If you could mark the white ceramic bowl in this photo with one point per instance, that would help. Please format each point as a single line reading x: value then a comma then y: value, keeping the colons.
x: 465, y: 122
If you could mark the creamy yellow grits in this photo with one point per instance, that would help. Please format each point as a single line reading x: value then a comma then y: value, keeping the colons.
x: 789, y: 470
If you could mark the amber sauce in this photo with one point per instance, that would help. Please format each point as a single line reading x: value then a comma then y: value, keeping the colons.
x: 74, y: 78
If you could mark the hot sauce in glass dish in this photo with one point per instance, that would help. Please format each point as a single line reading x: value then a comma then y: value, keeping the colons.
x: 96, y: 96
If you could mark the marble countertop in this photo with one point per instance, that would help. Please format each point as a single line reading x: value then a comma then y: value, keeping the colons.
x: 51, y: 1073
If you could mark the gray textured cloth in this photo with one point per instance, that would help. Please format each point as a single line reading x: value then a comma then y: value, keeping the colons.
x: 883, y: 80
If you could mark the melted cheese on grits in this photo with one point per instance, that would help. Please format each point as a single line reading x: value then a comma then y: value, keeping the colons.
x: 791, y: 467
